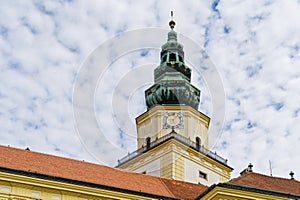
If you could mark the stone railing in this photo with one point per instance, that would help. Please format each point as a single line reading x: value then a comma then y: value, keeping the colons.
x: 180, y: 138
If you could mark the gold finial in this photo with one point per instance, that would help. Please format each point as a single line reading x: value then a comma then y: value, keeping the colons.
x: 172, y: 22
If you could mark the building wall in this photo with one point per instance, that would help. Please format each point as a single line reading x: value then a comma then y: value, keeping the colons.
x: 162, y: 161
x: 219, y: 193
x: 192, y: 172
x: 12, y: 190
x: 179, y: 162
x: 151, y: 168
x: 19, y: 187
x: 151, y: 124
x: 172, y: 165
x: 159, y: 161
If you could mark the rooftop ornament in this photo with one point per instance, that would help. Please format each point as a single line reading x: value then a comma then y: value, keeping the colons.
x: 292, y: 175
x: 172, y: 22
x: 250, y: 166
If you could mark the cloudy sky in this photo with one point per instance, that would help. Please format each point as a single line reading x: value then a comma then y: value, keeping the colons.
x: 253, y: 44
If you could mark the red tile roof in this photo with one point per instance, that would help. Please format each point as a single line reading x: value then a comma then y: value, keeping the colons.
x: 25, y: 160
x: 270, y: 183
x: 188, y: 191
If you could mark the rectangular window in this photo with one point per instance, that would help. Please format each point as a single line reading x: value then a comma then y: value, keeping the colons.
x: 55, y: 197
x: 35, y: 193
x: 5, y: 189
x: 202, y: 175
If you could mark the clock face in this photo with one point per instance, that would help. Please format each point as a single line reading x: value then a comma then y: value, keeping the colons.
x: 173, y: 120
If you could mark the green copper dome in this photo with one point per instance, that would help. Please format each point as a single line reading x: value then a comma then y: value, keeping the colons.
x: 172, y: 77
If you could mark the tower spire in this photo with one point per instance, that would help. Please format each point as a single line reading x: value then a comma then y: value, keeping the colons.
x: 172, y: 22
x: 172, y: 78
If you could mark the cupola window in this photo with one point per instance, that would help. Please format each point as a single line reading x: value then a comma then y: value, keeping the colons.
x: 180, y: 59
x: 164, y: 58
x: 172, y: 57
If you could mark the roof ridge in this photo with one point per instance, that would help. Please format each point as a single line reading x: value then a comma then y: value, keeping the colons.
x: 266, y: 182
x: 168, y: 179
x: 42, y: 153
x: 161, y: 180
x: 90, y: 163
x: 74, y: 160
x: 277, y: 177
x: 60, y: 157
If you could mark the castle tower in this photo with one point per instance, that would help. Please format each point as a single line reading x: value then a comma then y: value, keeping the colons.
x: 172, y: 133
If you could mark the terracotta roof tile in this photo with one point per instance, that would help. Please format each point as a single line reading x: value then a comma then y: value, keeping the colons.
x: 271, y: 183
x: 24, y: 160
x: 184, y: 190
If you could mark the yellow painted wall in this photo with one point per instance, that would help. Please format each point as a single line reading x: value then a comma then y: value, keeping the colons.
x: 149, y: 124
x: 172, y: 156
x: 17, y: 187
x: 220, y: 193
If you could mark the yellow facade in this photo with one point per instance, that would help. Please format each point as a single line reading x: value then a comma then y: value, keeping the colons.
x: 171, y: 156
x: 151, y: 124
x: 18, y: 187
x: 221, y: 193
x: 176, y: 158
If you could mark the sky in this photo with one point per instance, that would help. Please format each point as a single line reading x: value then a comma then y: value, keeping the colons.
x: 253, y: 45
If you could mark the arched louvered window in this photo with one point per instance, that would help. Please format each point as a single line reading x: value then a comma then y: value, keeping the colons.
x: 172, y: 57
x: 148, y: 141
x: 164, y: 58
x: 180, y: 59
x: 198, y: 143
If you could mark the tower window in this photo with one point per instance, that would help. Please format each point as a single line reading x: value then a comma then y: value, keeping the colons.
x: 172, y: 57
x: 198, y: 143
x: 148, y: 141
x: 202, y: 175
x: 164, y: 58
x: 180, y: 59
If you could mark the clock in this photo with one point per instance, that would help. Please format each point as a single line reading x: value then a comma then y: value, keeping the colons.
x: 173, y: 120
